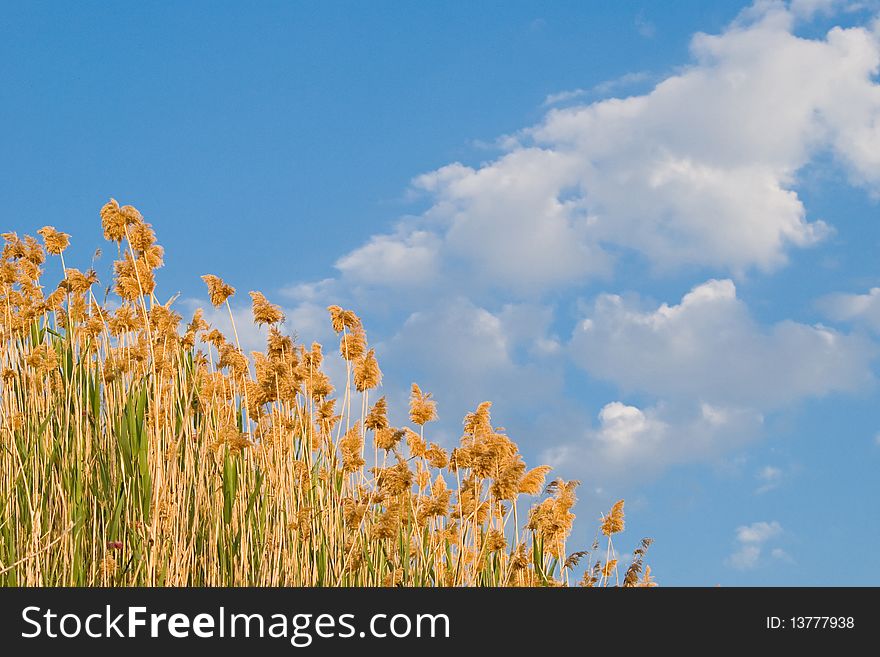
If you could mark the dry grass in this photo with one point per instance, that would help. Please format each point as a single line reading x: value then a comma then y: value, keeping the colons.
x: 137, y: 451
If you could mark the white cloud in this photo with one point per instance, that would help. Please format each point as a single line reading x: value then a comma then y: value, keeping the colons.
x: 405, y: 260
x: 782, y: 555
x: 708, y: 347
x: 622, y: 424
x: 751, y: 540
x: 645, y: 27
x: 746, y: 557
x: 770, y: 478
x: 806, y: 9
x: 858, y: 308
x: 602, y: 89
x: 758, y: 532
x: 473, y: 354
x: 713, y: 372
x: 310, y: 322
x: 528, y: 325
x: 319, y: 291
x: 624, y: 81
x: 631, y: 443
x: 700, y: 171
x: 508, y: 221
x: 564, y: 96
x: 469, y: 336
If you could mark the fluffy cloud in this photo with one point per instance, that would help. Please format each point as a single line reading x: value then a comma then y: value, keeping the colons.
x: 713, y: 372
x: 709, y: 348
x: 858, y: 308
x: 701, y: 170
x: 751, y: 540
x: 745, y: 558
x: 758, y: 532
x: 510, y: 222
x: 404, y: 260
x: 470, y: 354
x: 631, y: 442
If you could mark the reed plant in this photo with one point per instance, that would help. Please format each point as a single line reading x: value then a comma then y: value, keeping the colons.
x: 136, y: 450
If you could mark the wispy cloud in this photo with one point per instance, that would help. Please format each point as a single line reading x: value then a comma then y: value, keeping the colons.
x: 770, y: 477
x: 564, y: 96
x: 861, y: 309
x: 600, y: 90
x: 644, y: 26
x: 752, y: 540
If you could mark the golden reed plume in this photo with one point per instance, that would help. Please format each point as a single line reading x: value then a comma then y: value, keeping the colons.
x: 142, y: 449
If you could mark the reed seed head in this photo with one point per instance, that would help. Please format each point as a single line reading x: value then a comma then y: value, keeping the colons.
x: 56, y: 241
x: 218, y: 291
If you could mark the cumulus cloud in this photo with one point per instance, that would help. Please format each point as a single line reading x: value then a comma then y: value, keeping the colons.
x: 632, y: 442
x: 713, y: 373
x: 468, y: 336
x: 751, y: 540
x: 508, y: 221
x: 471, y: 354
x: 861, y: 309
x: 403, y: 260
x: 317, y: 291
x: 745, y: 558
x: 758, y: 532
x: 702, y: 170
x: 708, y: 347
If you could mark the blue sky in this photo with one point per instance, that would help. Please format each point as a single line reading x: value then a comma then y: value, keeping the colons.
x: 648, y: 232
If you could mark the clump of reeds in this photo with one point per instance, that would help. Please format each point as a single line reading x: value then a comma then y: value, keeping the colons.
x: 139, y: 450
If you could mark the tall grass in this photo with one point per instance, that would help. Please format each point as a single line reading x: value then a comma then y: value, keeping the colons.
x: 138, y: 451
